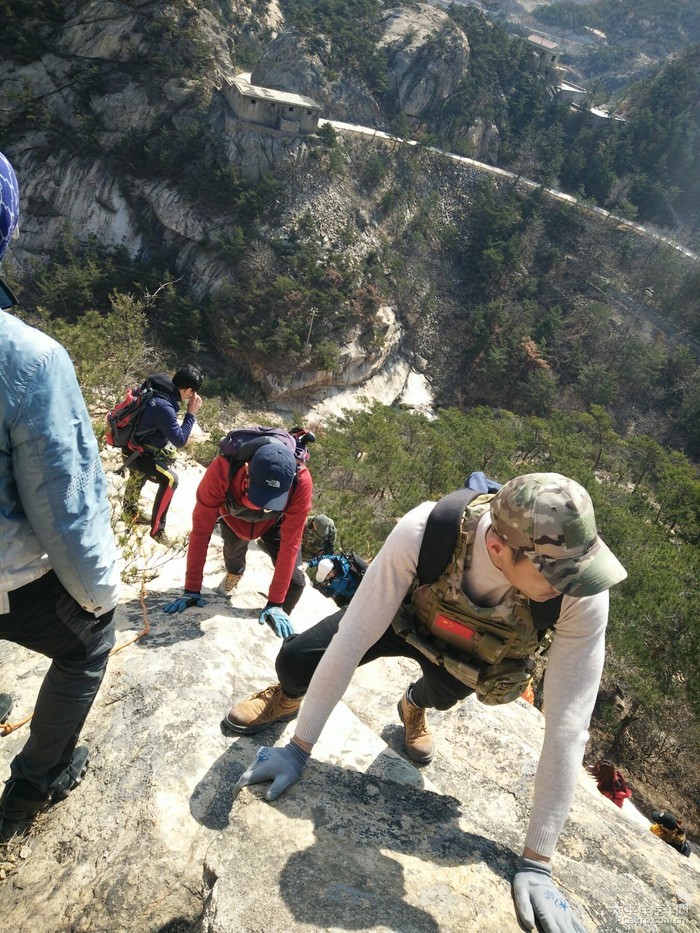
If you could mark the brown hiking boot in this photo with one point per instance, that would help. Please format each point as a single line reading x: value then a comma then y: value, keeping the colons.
x: 268, y: 706
x: 417, y: 739
x: 229, y: 583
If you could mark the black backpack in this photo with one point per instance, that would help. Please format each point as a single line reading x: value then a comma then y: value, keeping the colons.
x: 358, y: 565
x: 239, y: 445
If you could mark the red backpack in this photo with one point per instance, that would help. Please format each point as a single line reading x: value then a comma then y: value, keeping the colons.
x: 122, y: 420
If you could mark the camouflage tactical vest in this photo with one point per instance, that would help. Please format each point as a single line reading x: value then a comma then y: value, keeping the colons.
x: 491, y: 649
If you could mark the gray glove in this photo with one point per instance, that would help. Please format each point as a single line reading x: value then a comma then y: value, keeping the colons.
x: 538, y: 903
x: 282, y: 766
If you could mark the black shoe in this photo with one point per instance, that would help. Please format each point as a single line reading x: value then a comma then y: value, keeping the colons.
x: 19, y: 804
x: 21, y: 801
x: 73, y: 774
x: 5, y: 706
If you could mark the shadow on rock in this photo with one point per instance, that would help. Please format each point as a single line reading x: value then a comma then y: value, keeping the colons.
x: 392, y: 735
x: 357, y: 818
x: 347, y: 878
x: 177, y: 925
x: 212, y: 798
x: 168, y: 629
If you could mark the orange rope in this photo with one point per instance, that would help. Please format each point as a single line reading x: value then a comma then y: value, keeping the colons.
x: 8, y: 727
x: 146, y: 624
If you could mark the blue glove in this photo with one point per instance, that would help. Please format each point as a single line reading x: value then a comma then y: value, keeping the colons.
x: 282, y: 766
x: 189, y: 599
x: 278, y: 620
x: 537, y: 900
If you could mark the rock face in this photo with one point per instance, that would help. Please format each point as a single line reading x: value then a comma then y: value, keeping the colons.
x: 355, y: 366
x: 290, y: 63
x: 153, y: 839
x: 427, y: 57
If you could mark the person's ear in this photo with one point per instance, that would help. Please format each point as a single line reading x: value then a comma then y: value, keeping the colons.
x: 495, y: 545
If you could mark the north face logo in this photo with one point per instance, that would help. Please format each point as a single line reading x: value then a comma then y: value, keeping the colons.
x: 273, y: 482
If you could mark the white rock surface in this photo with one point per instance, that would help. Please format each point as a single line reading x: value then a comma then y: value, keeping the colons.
x: 153, y: 841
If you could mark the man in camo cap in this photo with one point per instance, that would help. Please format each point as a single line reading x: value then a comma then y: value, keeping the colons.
x: 534, y: 549
x: 549, y: 519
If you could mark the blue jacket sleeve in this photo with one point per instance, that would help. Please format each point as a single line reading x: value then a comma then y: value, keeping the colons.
x: 61, y: 484
x: 164, y: 417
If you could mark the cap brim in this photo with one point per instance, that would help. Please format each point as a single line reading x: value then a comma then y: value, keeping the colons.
x: 592, y: 573
x: 264, y: 500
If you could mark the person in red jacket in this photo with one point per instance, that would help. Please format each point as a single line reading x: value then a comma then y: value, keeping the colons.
x: 266, y: 499
x: 610, y: 782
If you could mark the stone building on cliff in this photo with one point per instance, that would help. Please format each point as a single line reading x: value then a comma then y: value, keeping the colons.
x: 277, y: 110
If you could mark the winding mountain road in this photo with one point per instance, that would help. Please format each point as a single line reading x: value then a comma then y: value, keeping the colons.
x: 493, y: 170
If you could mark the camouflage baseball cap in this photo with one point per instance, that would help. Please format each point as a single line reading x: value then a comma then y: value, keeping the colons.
x: 322, y: 523
x: 551, y: 519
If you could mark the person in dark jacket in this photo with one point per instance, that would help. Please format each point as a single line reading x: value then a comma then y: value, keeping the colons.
x: 159, y: 431
x: 671, y: 830
x: 335, y: 578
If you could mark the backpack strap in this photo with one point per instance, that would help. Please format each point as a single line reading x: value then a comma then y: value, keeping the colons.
x: 440, y: 535
x: 545, y: 615
x: 438, y: 545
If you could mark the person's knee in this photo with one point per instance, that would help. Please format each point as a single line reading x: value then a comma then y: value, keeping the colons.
x: 290, y: 668
x: 433, y: 696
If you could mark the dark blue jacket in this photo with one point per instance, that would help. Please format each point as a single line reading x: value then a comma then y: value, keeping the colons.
x: 158, y: 424
x: 344, y: 584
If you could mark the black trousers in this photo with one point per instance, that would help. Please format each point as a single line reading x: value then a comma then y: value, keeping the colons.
x: 45, y: 618
x: 300, y: 655
x: 147, y: 468
x: 235, y: 550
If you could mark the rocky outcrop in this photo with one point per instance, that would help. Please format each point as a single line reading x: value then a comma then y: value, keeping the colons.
x: 355, y: 365
x: 154, y: 840
x: 256, y: 151
x: 81, y: 193
x: 427, y: 56
x: 484, y: 140
x: 291, y: 64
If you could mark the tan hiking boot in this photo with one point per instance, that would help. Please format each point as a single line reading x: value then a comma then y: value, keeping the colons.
x: 417, y: 739
x: 160, y: 537
x: 229, y: 583
x: 268, y: 706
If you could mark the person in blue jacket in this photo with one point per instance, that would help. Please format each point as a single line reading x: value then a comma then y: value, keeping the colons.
x: 158, y: 431
x: 335, y: 578
x: 59, y: 577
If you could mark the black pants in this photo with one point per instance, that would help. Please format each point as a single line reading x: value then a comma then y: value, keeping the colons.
x: 145, y: 468
x: 235, y: 550
x: 299, y: 657
x: 44, y: 618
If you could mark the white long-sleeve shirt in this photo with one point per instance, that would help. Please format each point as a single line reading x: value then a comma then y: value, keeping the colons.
x: 573, y: 670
